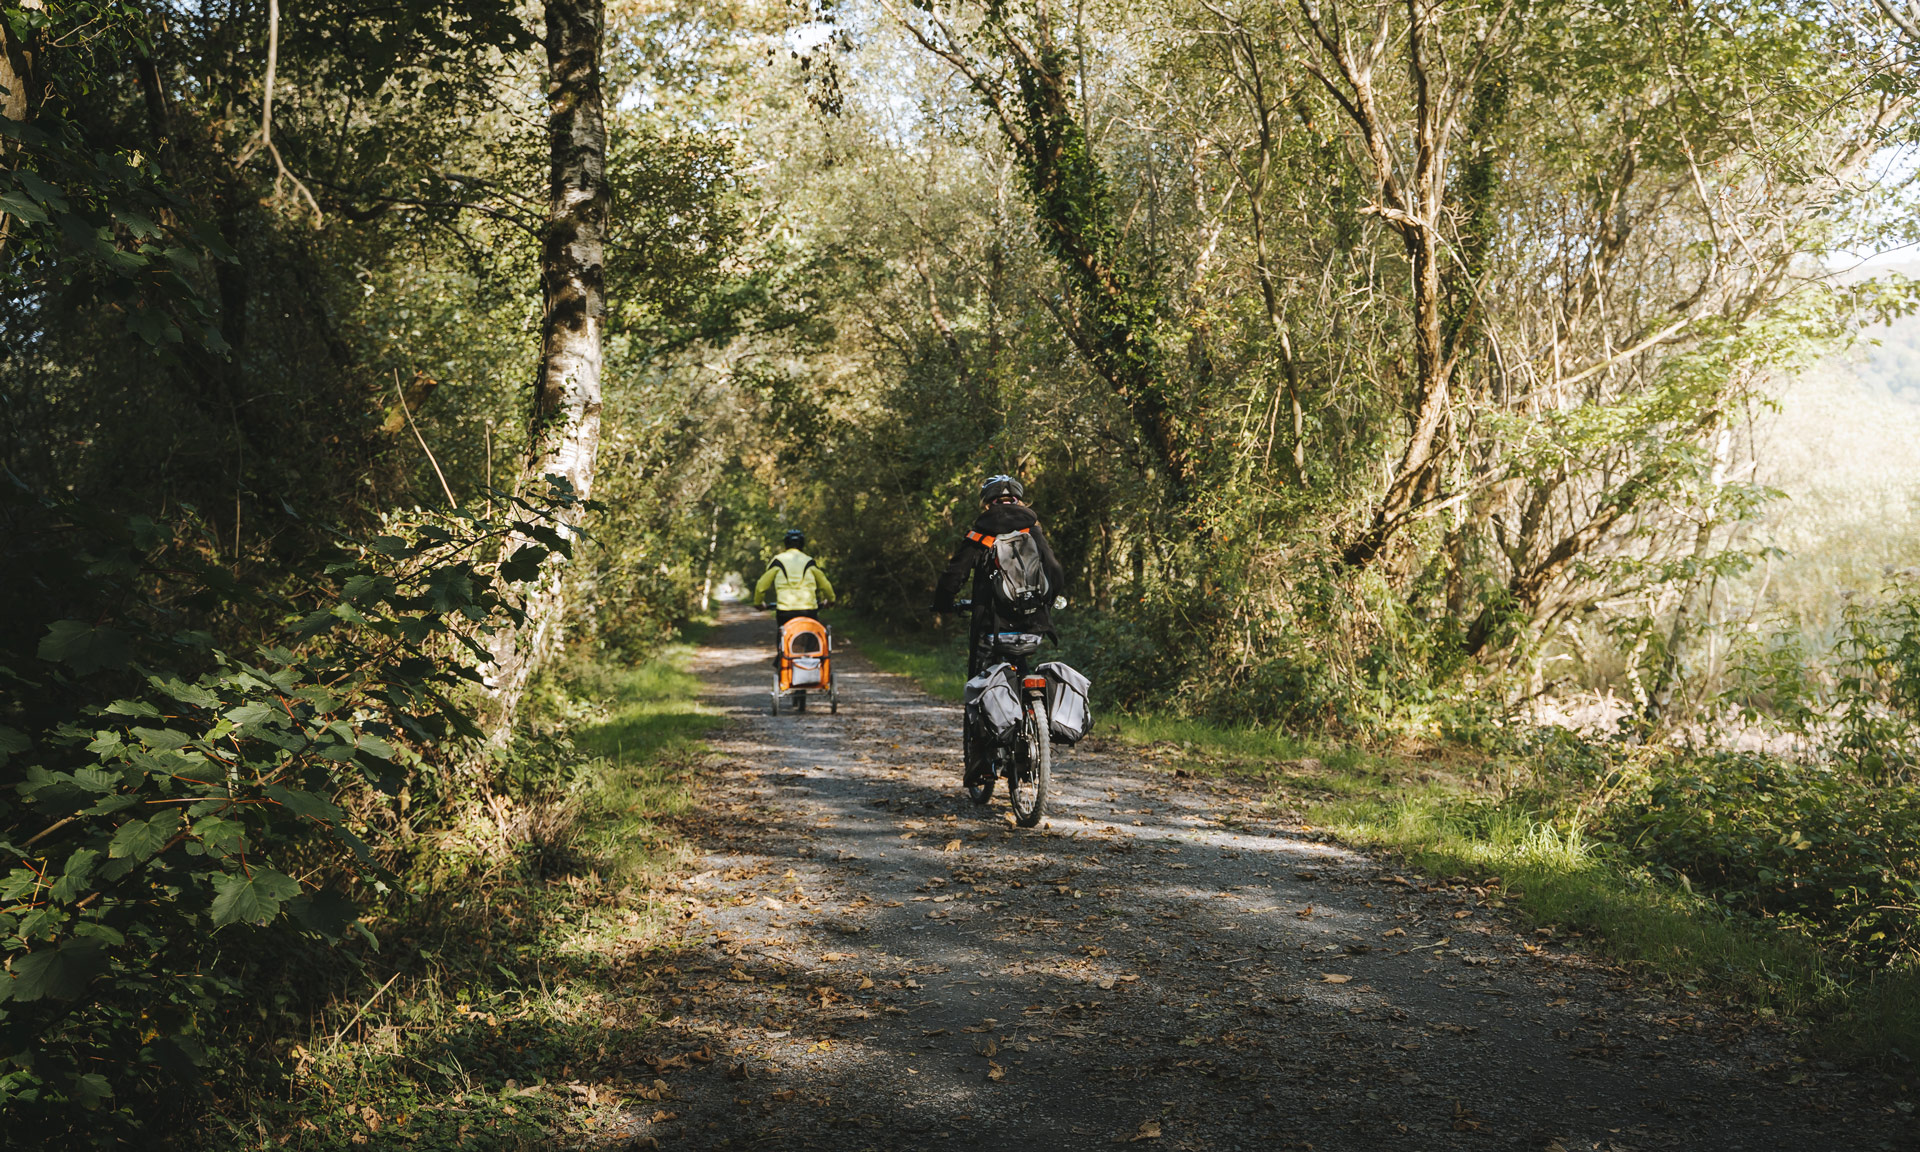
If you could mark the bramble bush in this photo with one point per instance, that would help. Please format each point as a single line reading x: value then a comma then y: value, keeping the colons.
x: 175, y: 807
x: 1814, y: 848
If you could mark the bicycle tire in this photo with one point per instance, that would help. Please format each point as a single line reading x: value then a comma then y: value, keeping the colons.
x: 1033, y: 763
x: 971, y: 749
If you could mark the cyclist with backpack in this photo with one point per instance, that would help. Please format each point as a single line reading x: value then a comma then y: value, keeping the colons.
x: 795, y: 581
x: 1015, y: 574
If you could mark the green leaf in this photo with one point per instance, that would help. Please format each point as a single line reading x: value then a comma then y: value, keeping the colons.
x: 91, y: 1090
x: 552, y: 538
x: 12, y: 743
x: 73, y: 881
x: 58, y: 973
x: 84, y: 647
x: 254, y: 899
x: 99, y: 931
x: 95, y: 780
x: 140, y: 839
x: 248, y: 715
x: 16, y: 204
x: 189, y: 694
x: 524, y: 564
x: 308, y: 804
x: 165, y: 738
x: 220, y: 836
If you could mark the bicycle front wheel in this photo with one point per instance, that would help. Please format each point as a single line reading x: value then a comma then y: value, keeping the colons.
x: 1033, y: 762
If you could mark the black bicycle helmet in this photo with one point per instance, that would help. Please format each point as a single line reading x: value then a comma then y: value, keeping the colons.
x: 997, y: 487
x: 796, y: 538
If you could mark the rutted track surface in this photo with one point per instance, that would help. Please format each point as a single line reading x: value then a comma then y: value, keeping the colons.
x: 875, y: 962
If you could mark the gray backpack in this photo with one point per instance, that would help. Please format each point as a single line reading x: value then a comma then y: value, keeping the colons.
x: 1019, y: 579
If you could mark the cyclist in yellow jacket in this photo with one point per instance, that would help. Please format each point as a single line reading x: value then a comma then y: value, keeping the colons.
x: 795, y: 582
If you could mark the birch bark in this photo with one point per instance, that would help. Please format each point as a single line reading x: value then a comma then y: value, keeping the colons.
x: 565, y: 440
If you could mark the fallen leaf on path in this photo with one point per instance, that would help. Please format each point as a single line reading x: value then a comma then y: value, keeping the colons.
x: 1305, y: 913
x: 1306, y: 876
x: 995, y: 1072
x: 1149, y: 1130
x: 1463, y: 914
x: 1392, y: 932
x: 663, y: 1116
x: 986, y: 1025
x: 935, y: 1032
x: 785, y: 1095
x: 952, y: 846
x: 1333, y: 978
x: 774, y: 904
x: 866, y: 982
x: 832, y: 956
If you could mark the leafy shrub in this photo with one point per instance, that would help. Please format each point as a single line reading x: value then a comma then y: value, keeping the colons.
x: 170, y: 798
x: 1817, y: 849
x: 1123, y: 653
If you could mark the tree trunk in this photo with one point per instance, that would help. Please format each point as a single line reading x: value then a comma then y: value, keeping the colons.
x: 16, y: 70
x: 17, y: 67
x: 566, y: 404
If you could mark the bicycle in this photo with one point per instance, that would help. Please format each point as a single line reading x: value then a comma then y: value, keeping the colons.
x: 1027, y: 763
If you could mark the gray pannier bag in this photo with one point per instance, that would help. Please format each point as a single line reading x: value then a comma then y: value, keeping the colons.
x: 993, y: 704
x: 1068, y: 714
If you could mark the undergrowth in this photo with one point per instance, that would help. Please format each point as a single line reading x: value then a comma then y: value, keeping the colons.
x: 498, y: 1011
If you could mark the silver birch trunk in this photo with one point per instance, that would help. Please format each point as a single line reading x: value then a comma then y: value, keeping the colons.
x: 565, y: 438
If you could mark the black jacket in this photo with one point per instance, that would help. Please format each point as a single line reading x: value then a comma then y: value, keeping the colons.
x: 972, y: 557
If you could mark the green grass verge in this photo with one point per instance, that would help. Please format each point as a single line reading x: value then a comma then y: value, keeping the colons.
x: 1446, y: 819
x: 937, y: 662
x: 509, y: 981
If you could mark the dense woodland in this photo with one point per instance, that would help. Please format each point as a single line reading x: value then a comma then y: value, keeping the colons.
x: 1382, y: 372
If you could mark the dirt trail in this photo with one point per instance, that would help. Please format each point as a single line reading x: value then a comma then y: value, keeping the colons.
x: 874, y: 962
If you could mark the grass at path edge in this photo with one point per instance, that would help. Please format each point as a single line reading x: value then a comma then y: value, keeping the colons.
x: 509, y: 981
x: 1448, y: 824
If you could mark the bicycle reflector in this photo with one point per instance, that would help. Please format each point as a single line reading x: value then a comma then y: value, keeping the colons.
x: 1035, y: 681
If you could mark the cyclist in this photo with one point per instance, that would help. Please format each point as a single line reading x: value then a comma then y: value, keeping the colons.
x: 796, y: 583
x: 1003, y: 509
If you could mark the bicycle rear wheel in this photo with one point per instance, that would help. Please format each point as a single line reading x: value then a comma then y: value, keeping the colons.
x: 1032, y: 765
x: 977, y: 757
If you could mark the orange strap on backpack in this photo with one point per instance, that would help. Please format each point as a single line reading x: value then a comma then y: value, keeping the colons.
x: 987, y: 541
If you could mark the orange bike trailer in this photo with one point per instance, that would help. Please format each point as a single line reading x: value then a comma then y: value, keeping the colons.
x: 805, y: 664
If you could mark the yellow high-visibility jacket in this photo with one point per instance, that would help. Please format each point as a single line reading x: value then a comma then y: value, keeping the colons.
x: 796, y: 581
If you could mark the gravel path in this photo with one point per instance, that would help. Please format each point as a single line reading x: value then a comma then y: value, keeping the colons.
x: 875, y: 962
